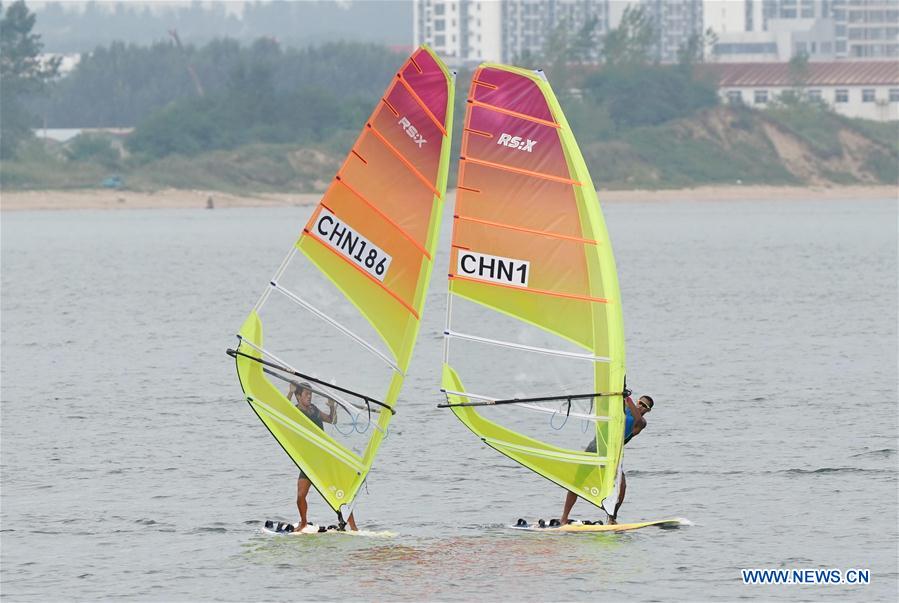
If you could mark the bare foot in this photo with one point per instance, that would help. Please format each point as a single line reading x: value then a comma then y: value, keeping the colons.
x: 300, y: 526
x: 613, y: 521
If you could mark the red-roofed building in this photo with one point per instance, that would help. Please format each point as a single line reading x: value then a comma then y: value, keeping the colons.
x: 868, y: 89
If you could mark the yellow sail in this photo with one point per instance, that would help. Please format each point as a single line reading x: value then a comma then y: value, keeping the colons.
x: 373, y: 236
x: 530, y: 245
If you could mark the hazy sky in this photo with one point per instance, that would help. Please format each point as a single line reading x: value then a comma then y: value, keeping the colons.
x: 231, y: 6
x: 66, y: 27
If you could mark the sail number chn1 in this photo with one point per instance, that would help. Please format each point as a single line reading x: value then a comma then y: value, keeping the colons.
x: 493, y: 268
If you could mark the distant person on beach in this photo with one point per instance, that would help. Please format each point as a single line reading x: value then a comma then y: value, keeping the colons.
x: 302, y: 393
x: 634, y: 423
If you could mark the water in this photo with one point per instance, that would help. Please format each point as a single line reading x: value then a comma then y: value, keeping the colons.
x: 131, y: 468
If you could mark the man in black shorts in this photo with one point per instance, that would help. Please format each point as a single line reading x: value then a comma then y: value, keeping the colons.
x: 634, y: 423
x: 302, y: 393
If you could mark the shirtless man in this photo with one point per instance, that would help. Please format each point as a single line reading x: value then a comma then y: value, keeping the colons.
x: 634, y: 423
x: 302, y: 393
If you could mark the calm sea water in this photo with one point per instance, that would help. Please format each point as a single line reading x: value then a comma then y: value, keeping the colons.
x: 132, y: 469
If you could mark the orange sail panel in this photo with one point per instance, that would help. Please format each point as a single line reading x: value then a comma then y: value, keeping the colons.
x: 374, y: 231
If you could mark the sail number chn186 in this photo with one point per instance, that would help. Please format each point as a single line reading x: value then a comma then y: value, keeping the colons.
x: 493, y: 268
x: 347, y: 242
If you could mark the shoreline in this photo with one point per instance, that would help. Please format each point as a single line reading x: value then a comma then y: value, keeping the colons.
x: 106, y: 199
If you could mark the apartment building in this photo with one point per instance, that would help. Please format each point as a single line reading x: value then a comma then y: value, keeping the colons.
x: 867, y: 29
x: 470, y: 31
x: 824, y: 30
x: 676, y: 21
x: 747, y: 30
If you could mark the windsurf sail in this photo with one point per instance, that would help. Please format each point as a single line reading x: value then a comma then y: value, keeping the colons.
x: 368, y: 249
x: 534, y: 359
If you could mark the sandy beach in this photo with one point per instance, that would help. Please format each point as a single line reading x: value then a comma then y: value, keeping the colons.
x: 105, y: 199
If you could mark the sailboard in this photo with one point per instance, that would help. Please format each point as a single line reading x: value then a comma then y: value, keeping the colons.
x: 278, y: 528
x: 594, y: 527
x: 534, y: 354
x: 354, y: 284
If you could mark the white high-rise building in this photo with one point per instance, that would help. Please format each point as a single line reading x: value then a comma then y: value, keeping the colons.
x: 747, y: 30
x: 492, y: 30
x: 866, y: 29
x: 824, y: 30
x: 528, y: 24
x: 676, y: 21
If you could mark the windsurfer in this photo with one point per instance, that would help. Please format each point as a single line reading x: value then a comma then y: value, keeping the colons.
x: 302, y: 392
x: 634, y: 423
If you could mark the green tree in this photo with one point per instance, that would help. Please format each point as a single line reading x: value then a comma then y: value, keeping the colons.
x: 556, y: 55
x: 631, y: 42
x: 584, y: 45
x: 798, y: 77
x: 648, y: 95
x: 21, y: 73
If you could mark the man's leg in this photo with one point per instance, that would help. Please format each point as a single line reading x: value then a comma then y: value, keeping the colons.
x: 570, y: 499
x: 614, y: 518
x: 352, y: 523
x: 303, y: 486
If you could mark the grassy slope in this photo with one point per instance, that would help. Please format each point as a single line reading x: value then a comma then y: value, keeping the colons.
x: 787, y: 145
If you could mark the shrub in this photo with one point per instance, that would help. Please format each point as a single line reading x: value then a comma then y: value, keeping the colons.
x: 91, y: 147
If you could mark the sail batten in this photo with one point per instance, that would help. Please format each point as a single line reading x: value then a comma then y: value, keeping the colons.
x: 543, y: 233
x: 516, y: 170
x: 515, y: 114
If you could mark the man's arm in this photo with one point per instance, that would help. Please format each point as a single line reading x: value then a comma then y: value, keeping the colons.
x: 332, y: 415
x: 639, y: 421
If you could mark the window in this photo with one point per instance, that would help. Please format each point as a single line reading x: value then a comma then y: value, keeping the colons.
x: 746, y: 48
x: 438, y: 9
x: 868, y: 95
x: 734, y: 97
x: 841, y: 96
x: 760, y: 97
x: 440, y: 40
x: 894, y: 95
x: 814, y: 95
x: 439, y: 25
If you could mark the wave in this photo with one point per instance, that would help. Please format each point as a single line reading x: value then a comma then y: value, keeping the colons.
x: 882, y: 453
